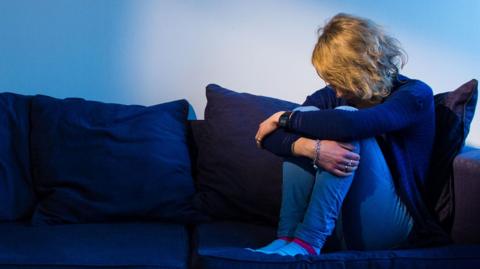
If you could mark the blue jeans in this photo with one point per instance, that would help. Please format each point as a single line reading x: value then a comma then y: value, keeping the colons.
x: 363, y: 209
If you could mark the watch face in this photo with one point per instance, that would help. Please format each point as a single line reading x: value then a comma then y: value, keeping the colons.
x: 283, y: 119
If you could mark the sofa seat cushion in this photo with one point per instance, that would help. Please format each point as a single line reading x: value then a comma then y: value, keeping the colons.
x: 132, y: 245
x: 222, y: 245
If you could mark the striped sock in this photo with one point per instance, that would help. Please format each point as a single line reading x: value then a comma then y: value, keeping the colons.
x: 274, y: 245
x: 298, y: 247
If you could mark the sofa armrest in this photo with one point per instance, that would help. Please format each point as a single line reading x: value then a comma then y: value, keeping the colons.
x: 466, y: 174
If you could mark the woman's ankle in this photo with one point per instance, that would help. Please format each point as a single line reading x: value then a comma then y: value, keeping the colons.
x: 307, y: 246
x: 286, y: 238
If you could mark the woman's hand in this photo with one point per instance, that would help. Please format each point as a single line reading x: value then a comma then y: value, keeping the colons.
x: 335, y: 157
x: 266, y: 127
x: 338, y: 158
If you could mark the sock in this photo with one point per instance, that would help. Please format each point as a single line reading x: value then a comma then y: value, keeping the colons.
x: 309, y: 248
x: 286, y: 238
x: 274, y: 245
x: 297, y: 247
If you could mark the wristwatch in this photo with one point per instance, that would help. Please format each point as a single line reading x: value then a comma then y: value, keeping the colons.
x: 284, y: 120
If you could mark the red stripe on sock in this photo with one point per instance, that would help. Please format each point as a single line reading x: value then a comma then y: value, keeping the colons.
x: 305, y: 245
x: 286, y: 238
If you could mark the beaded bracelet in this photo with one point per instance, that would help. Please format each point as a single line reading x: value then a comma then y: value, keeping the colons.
x: 317, y: 153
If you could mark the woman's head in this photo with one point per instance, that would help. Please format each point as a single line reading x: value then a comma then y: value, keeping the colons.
x: 357, y: 58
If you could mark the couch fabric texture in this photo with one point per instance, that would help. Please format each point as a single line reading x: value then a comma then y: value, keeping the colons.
x: 110, y: 245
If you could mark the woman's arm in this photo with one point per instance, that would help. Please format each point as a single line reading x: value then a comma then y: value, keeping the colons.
x: 280, y: 141
x: 402, y: 109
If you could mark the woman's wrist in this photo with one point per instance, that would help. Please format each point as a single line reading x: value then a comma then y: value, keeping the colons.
x: 304, y: 147
x: 284, y: 119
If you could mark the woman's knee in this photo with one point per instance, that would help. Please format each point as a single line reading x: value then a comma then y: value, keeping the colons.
x: 306, y: 108
x: 355, y: 143
x: 347, y: 108
x: 314, y: 108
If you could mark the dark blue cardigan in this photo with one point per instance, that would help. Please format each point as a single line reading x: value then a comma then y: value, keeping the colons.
x: 404, y: 125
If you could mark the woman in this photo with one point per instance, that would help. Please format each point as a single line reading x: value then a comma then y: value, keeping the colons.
x: 369, y: 134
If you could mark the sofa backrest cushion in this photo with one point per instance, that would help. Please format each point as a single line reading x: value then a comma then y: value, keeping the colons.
x: 454, y: 112
x: 98, y: 162
x: 235, y: 179
x: 17, y: 198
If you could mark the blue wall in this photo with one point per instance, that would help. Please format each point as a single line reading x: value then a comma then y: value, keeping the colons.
x: 62, y: 48
x: 150, y: 51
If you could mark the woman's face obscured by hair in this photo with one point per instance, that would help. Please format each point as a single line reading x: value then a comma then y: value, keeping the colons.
x: 357, y: 58
x: 350, y: 96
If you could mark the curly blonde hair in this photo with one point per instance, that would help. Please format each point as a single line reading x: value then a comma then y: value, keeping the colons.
x: 355, y: 56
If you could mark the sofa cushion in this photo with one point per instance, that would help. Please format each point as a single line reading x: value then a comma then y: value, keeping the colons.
x: 222, y: 245
x: 129, y: 245
x: 453, y: 114
x: 98, y: 162
x: 467, y: 202
x: 236, y: 180
x: 16, y: 191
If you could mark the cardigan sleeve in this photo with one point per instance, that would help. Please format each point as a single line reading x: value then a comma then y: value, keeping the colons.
x: 279, y: 142
x: 401, y: 109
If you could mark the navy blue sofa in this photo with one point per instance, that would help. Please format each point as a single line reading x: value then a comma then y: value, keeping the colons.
x: 178, y: 244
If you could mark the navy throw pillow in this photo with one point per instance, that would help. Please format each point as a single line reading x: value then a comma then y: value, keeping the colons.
x: 98, y: 162
x: 235, y: 179
x: 453, y: 114
x: 17, y: 198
